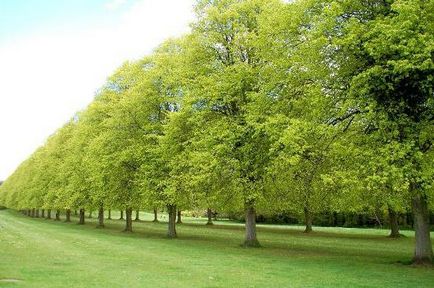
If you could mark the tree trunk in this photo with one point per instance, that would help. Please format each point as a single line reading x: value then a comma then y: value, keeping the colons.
x: 90, y: 214
x: 33, y: 212
x: 49, y: 214
x: 179, y: 221
x: 75, y: 213
x: 393, y: 221
x: 81, y: 220
x: 57, y: 215
x: 29, y: 212
x: 110, y: 214
x: 128, y: 220
x: 137, y: 215
x: 171, y: 232
x: 100, y: 217
x: 43, y: 213
x: 423, y: 254
x: 250, y: 240
x: 68, y: 215
x: 209, y: 215
x: 122, y: 215
x: 155, y: 215
x: 307, y: 220
x: 37, y: 213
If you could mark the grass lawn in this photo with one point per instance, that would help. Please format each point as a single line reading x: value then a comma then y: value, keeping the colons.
x: 46, y: 253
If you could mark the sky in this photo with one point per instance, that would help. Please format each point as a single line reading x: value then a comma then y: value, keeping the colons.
x: 55, y: 54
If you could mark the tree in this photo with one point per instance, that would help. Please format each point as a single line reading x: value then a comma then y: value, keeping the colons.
x: 393, y: 46
x: 228, y: 91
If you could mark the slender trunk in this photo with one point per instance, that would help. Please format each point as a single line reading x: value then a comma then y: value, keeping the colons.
x: 110, y: 214
x: 171, y: 232
x: 68, y: 215
x: 423, y: 254
x: 90, y: 214
x: 155, y: 215
x: 49, y: 214
x: 33, y: 212
x: 307, y: 220
x: 37, y: 213
x: 100, y: 217
x: 179, y: 221
x: 122, y: 215
x: 250, y: 240
x: 57, y: 215
x: 137, y: 215
x: 81, y: 220
x: 393, y: 221
x: 75, y: 213
x: 29, y: 212
x: 209, y: 214
x: 43, y: 213
x: 128, y: 220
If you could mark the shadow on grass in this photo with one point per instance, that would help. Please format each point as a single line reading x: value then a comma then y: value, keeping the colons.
x: 290, y: 242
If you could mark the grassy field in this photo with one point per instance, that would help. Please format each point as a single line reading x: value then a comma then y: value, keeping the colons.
x: 46, y: 253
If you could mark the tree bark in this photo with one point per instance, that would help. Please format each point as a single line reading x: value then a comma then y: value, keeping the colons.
x: 122, y: 215
x: 57, y: 215
x: 155, y: 215
x: 109, y: 214
x: 68, y: 215
x: 49, y: 214
x: 90, y: 214
x: 393, y: 221
x: 128, y: 220
x: 33, y: 212
x: 75, y: 212
x: 250, y: 240
x: 43, y: 213
x: 171, y: 232
x: 81, y: 220
x: 307, y: 220
x: 137, y: 215
x: 100, y: 217
x: 37, y: 213
x: 209, y: 215
x: 29, y: 212
x: 423, y: 254
x: 179, y: 219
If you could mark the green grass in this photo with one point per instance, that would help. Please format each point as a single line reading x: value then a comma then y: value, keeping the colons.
x: 46, y: 253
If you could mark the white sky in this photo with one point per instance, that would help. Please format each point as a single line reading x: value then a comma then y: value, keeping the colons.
x: 47, y: 76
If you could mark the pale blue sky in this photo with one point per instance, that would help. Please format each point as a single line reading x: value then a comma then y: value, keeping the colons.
x: 54, y: 55
x: 21, y: 17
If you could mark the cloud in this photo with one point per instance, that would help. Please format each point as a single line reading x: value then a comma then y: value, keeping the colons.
x: 49, y: 76
x: 114, y: 4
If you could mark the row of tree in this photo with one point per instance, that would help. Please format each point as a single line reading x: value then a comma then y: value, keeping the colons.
x: 308, y: 106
